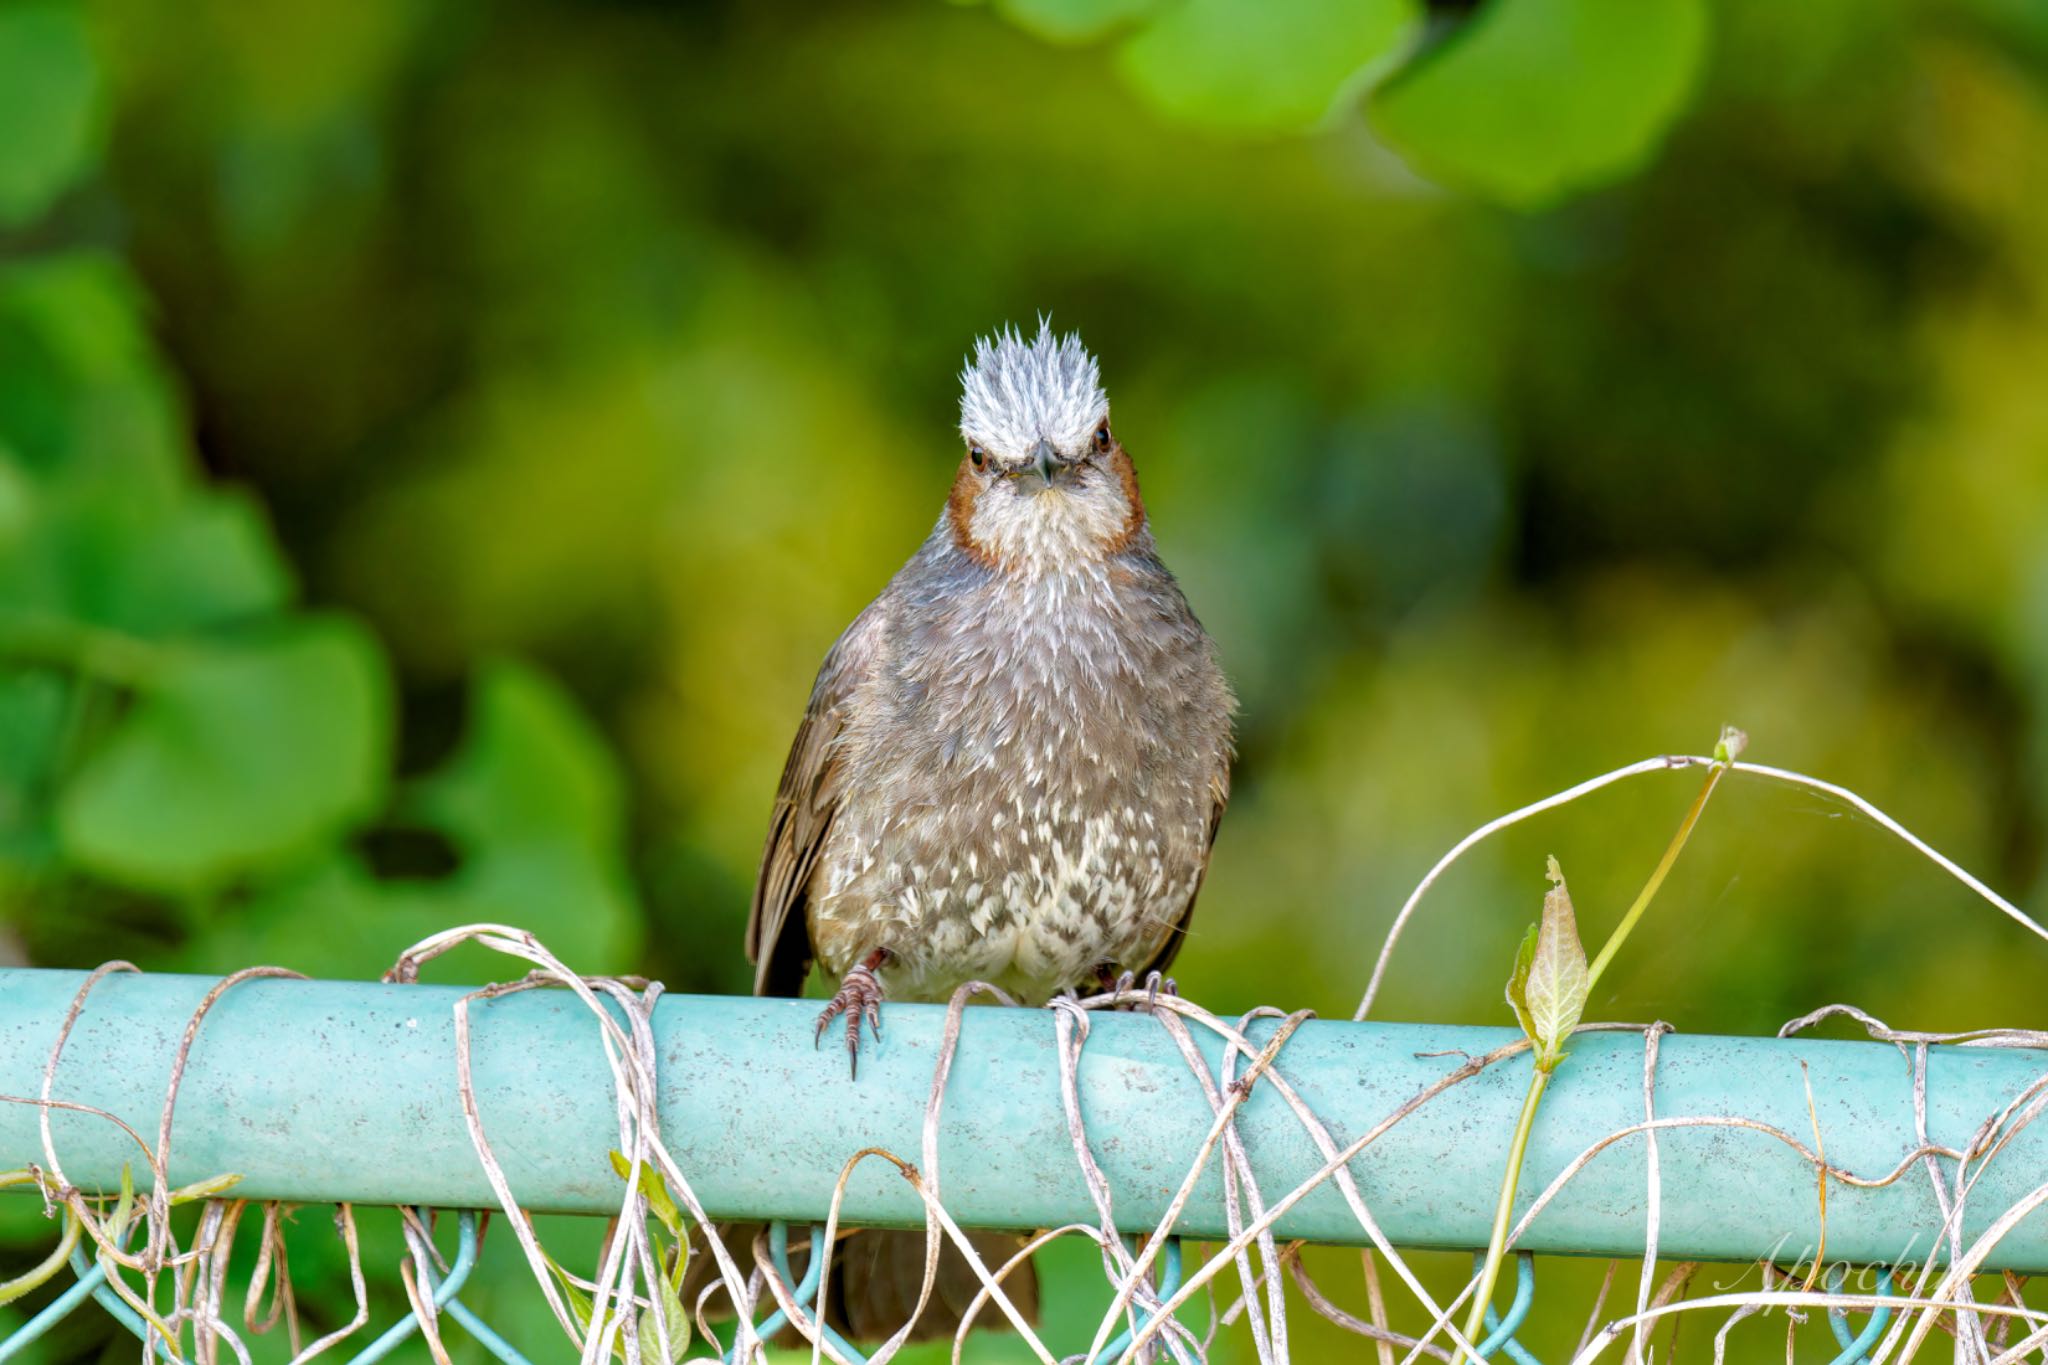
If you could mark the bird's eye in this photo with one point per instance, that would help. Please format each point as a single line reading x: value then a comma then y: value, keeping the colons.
x: 1102, y: 441
x: 977, y: 456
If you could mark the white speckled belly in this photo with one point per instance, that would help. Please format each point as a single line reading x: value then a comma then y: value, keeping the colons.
x: 1032, y: 906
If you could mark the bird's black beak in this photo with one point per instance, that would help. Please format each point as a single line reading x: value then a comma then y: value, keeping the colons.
x: 1046, y: 462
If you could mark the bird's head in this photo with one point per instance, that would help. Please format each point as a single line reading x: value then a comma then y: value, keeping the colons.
x: 1044, y: 485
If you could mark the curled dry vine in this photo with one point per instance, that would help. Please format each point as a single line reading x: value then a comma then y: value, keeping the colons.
x: 626, y: 1307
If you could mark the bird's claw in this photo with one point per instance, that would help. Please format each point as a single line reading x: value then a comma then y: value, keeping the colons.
x: 1157, y: 985
x: 859, y: 998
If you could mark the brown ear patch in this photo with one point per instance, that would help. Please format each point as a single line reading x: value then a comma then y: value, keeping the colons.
x: 960, y: 511
x: 1121, y: 464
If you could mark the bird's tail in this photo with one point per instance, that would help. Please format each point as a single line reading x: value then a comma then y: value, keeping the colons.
x: 876, y: 1278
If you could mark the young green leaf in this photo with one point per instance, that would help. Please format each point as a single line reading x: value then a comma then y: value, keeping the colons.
x: 201, y: 1190
x: 1558, y: 982
x: 659, y: 1201
x: 124, y: 1210
x: 579, y: 1302
x: 1732, y: 743
x: 678, y: 1263
x: 677, y: 1321
x: 1518, y: 983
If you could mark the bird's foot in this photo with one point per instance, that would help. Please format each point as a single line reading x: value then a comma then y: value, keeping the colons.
x: 859, y: 997
x: 1115, y: 983
x: 1156, y: 985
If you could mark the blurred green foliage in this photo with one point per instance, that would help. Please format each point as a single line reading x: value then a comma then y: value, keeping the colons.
x: 183, y: 734
x: 438, y: 442
x: 1530, y: 100
x: 49, y: 105
x: 1526, y: 101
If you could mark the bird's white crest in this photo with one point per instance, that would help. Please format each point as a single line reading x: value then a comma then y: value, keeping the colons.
x: 1015, y: 393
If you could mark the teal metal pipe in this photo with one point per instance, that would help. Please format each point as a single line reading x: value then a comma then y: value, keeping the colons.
x: 327, y: 1090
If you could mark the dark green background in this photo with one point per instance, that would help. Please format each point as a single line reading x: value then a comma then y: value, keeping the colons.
x: 438, y: 442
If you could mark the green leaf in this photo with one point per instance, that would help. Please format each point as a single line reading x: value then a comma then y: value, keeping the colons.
x: 532, y: 800
x: 17, y: 501
x: 327, y: 916
x: 576, y: 898
x: 84, y: 397
x: 36, y: 713
x: 656, y: 1190
x: 49, y: 107
x: 143, y: 567
x: 212, y: 560
x: 677, y: 1321
x: 579, y: 1302
x: 679, y: 1263
x: 1558, y: 982
x: 86, y: 310
x: 1532, y: 99
x: 124, y: 1209
x: 1074, y: 21
x: 530, y: 767
x: 1274, y: 66
x: 32, y: 704
x: 580, y: 1306
x: 531, y: 804
x: 235, y: 758
x: 1518, y: 983
x: 1731, y: 744
x: 213, y: 1187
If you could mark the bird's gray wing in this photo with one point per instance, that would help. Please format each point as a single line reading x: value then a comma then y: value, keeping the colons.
x: 778, y: 939
x: 1219, y: 792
